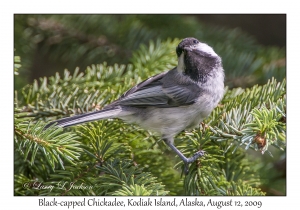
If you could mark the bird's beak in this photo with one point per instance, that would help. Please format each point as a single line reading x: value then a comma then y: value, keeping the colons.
x: 187, y: 49
x: 183, y: 50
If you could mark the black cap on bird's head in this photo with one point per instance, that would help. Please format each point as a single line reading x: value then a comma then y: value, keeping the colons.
x: 191, y: 44
x: 185, y: 43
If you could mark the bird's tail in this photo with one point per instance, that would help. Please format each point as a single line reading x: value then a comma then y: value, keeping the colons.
x: 87, y: 117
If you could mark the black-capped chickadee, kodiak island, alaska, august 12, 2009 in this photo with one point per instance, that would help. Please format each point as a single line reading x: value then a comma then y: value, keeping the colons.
x: 169, y: 102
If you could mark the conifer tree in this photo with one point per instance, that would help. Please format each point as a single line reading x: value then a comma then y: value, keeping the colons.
x: 242, y: 137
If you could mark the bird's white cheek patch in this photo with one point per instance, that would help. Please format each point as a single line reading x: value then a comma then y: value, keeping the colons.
x: 205, y: 48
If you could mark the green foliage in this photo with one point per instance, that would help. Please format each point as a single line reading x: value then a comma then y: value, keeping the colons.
x: 127, y: 179
x: 55, y: 42
x: 17, y: 65
x: 110, y: 157
x: 147, y: 57
x: 256, y: 118
x: 55, y: 145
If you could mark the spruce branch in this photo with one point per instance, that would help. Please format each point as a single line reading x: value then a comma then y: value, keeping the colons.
x: 239, y: 189
x: 146, y: 57
x: 121, y: 159
x: 71, y: 94
x: 217, y: 174
x: 54, y: 144
x: 102, y: 140
x: 125, y: 178
x: 253, y: 118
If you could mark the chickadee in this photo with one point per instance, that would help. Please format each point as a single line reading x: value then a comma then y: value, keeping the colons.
x: 171, y: 101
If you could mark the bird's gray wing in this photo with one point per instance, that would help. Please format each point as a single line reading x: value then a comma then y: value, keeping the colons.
x: 182, y: 94
x: 146, y: 93
x: 162, y: 90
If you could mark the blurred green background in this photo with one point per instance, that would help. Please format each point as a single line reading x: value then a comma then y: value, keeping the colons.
x: 252, y: 48
x: 52, y: 43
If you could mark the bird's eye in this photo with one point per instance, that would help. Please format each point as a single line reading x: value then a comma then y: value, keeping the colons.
x: 195, y: 41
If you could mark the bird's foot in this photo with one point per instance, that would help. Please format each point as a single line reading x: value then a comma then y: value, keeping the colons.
x: 187, y: 161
